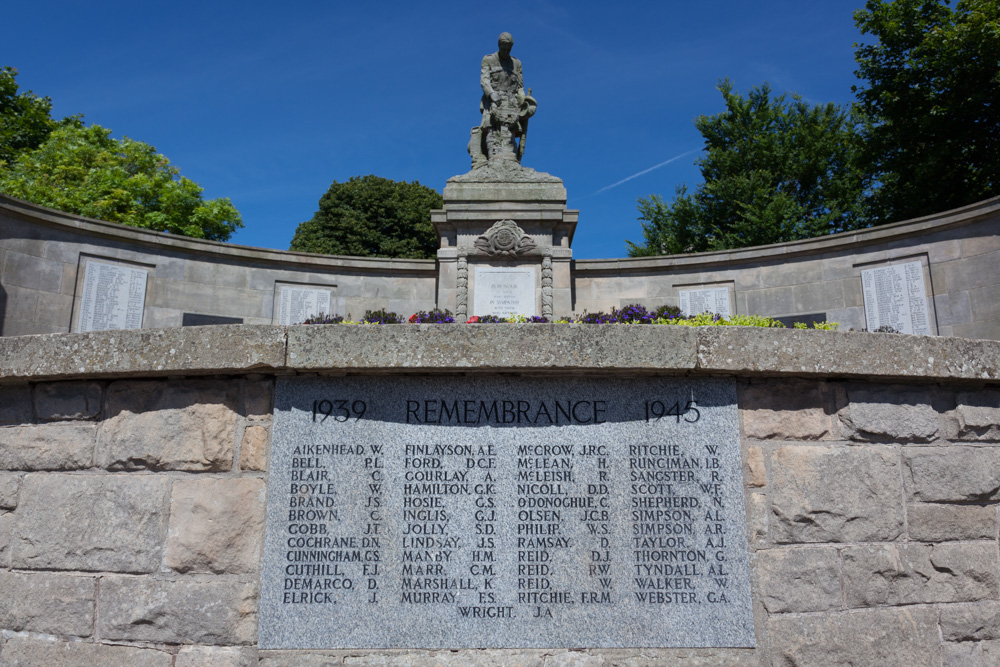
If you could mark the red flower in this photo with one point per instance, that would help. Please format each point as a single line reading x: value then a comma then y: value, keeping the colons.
x: 472, y: 320
x: 413, y: 318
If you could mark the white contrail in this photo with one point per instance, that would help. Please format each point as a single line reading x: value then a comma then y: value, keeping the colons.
x: 645, y: 171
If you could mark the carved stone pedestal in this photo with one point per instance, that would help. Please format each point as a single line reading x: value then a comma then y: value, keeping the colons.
x: 510, y: 232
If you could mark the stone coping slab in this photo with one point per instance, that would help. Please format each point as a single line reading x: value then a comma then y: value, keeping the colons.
x: 143, y: 352
x: 450, y: 348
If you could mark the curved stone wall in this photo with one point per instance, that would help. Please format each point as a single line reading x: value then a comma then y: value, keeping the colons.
x: 958, y: 251
x: 134, y: 469
x: 43, y: 255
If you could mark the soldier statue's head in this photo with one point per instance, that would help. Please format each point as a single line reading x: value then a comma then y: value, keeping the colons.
x: 505, y: 42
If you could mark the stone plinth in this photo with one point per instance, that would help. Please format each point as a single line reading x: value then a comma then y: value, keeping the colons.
x: 505, y: 220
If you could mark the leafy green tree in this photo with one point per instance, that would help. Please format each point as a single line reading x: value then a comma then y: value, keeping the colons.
x: 83, y: 170
x: 370, y: 216
x: 25, y: 118
x: 773, y: 170
x: 932, y: 102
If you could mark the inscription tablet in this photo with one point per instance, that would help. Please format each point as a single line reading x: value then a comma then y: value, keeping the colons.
x: 297, y: 304
x: 710, y: 300
x: 113, y: 297
x: 469, y: 512
x: 895, y: 296
x: 504, y: 291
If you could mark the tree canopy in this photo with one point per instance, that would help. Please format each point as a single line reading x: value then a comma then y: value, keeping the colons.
x: 83, y: 170
x: 370, y: 216
x: 931, y: 100
x: 25, y: 118
x: 774, y: 170
x: 923, y: 137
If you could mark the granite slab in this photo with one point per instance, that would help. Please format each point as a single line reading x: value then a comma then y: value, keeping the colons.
x: 462, y: 512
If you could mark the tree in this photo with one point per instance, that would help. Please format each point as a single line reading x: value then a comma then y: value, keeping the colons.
x: 25, y: 120
x: 83, y: 170
x: 773, y: 171
x: 370, y: 216
x: 932, y: 102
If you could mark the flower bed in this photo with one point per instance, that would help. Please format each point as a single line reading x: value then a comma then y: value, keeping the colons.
x: 631, y: 314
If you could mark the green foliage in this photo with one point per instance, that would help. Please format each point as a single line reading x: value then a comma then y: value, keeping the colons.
x: 372, y: 217
x: 25, y: 120
x: 699, y: 320
x: 667, y: 312
x: 83, y: 170
x: 323, y: 318
x: 827, y: 326
x: 382, y: 316
x: 753, y: 321
x: 712, y: 320
x: 931, y: 100
x: 774, y: 171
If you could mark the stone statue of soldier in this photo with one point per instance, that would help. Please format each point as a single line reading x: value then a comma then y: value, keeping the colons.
x: 505, y: 107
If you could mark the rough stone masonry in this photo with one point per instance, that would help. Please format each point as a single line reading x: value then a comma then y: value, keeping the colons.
x: 133, y: 490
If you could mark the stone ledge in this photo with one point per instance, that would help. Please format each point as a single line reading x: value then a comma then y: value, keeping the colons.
x: 143, y: 352
x: 812, y: 353
x: 517, y: 347
x: 572, y: 348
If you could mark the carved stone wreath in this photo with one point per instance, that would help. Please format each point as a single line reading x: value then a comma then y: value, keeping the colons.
x: 505, y: 239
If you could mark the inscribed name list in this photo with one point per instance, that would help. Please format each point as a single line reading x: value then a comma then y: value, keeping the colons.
x: 895, y: 296
x: 707, y: 300
x: 113, y: 297
x: 300, y: 303
x: 504, y: 291
x: 505, y: 512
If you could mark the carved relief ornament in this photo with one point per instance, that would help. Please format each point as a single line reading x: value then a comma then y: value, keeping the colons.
x: 505, y: 239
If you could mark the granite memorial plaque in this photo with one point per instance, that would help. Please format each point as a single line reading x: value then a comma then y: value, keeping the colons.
x: 504, y: 291
x: 113, y: 297
x: 297, y: 304
x: 895, y: 296
x: 707, y: 300
x: 505, y: 512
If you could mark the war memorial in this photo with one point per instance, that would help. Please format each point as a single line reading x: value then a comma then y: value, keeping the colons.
x: 256, y: 492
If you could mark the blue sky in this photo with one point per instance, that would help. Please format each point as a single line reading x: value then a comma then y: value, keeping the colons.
x: 268, y: 103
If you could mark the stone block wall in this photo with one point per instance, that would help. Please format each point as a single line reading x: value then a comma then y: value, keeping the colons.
x: 873, y: 521
x: 132, y: 519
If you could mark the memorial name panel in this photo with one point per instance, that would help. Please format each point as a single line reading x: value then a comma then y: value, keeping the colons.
x: 113, y: 297
x: 707, y: 300
x: 467, y: 512
x: 297, y: 304
x: 895, y: 296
